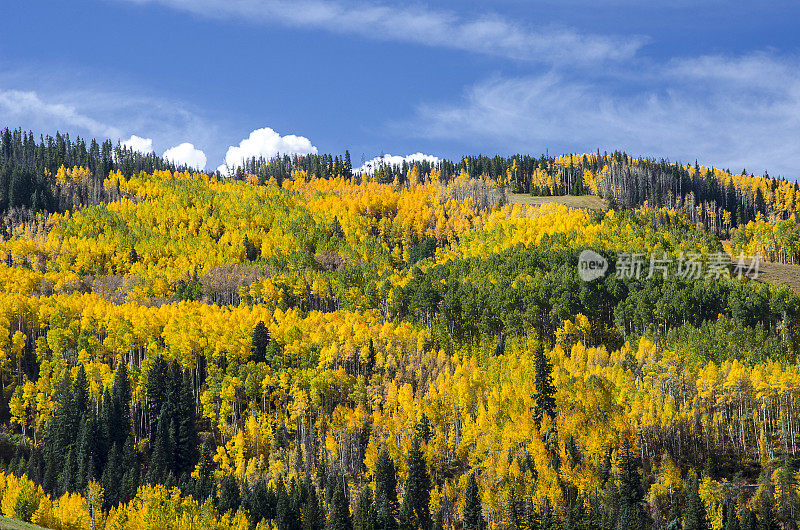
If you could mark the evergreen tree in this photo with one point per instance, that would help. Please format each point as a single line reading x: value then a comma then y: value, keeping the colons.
x: 157, y: 391
x: 765, y: 501
x: 80, y: 392
x: 251, y: 252
x: 694, y: 511
x: 120, y: 428
x: 204, y: 484
x: 631, y: 493
x: 185, y: 431
x: 544, y: 399
x: 260, y: 342
x: 748, y: 520
x: 229, y: 499
x: 86, y: 451
x: 786, y: 493
x: 68, y: 477
x: 386, y: 505
x: 731, y: 517
x: 258, y: 501
x: 339, y: 515
x: 416, y: 496
x: 766, y: 514
x: 473, y: 513
x: 111, y: 479
x: 546, y: 518
x: 365, y: 517
x: 131, y: 471
x: 286, y: 518
x: 348, y: 165
x: 313, y: 514
x: 157, y: 468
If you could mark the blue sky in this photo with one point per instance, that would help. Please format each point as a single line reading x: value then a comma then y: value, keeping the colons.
x: 709, y: 80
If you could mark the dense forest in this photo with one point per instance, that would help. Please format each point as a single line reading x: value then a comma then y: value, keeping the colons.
x: 300, y: 345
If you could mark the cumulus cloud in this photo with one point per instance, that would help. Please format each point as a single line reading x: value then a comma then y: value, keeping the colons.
x: 265, y: 143
x: 393, y: 160
x: 733, y: 112
x: 489, y: 33
x: 186, y: 154
x: 137, y: 143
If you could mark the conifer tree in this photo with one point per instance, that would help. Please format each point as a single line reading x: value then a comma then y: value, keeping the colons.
x: 766, y: 514
x: 286, y: 518
x: 731, y: 517
x: 313, y: 514
x: 416, y: 496
x: 185, y: 432
x: 473, y: 513
x: 260, y: 342
x: 68, y: 477
x: 111, y: 479
x: 631, y: 494
x: 229, y: 499
x: 694, y: 511
x: 544, y: 399
x: 80, y: 392
x: 204, y: 484
x: 386, y: 505
x: 339, y: 514
x: 157, y: 468
x: 131, y: 471
x: 748, y: 520
x: 120, y: 425
x: 365, y: 516
x: 786, y: 493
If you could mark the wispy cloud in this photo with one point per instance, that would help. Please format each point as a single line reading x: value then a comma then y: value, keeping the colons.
x: 25, y: 106
x: 62, y: 102
x: 488, y: 34
x: 730, y: 111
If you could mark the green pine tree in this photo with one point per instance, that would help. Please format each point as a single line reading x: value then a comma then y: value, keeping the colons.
x: 416, y: 496
x: 204, y: 484
x: 260, y: 342
x: 386, y: 505
x: 286, y: 517
x: 731, y: 517
x: 80, y: 391
x: 544, y: 398
x: 313, y: 514
x: 473, y: 513
x: 694, y: 511
x: 339, y: 515
x: 229, y: 498
x: 748, y: 520
x: 631, y: 513
x: 365, y: 517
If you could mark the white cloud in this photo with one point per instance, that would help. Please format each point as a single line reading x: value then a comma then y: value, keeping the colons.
x: 20, y: 106
x: 265, y: 143
x: 62, y: 102
x: 186, y: 154
x: 137, y: 143
x: 390, y: 160
x: 490, y: 34
x: 729, y: 112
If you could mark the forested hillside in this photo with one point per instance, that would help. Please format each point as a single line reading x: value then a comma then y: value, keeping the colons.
x: 301, y: 345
